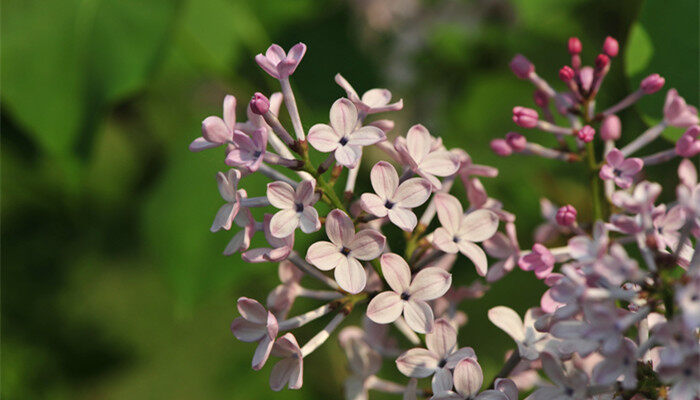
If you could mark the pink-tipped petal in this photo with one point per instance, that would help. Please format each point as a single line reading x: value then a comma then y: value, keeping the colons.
x: 366, y: 136
x: 367, y: 244
x: 417, y: 363
x: 347, y: 156
x: 283, y: 223
x: 262, y: 352
x: 384, y: 179
x: 442, y: 339
x: 201, y: 144
x: 439, y: 163
x: 376, y: 97
x: 230, y: 111
x: 308, y: 220
x: 247, y: 331
x: 444, y: 241
x: 449, y: 211
x: 323, y: 138
x: 373, y: 204
x: 475, y: 254
x: 614, y: 158
x: 339, y: 228
x: 324, y: 255
x: 478, y: 226
x: 350, y: 275
x: 280, y: 194
x: 509, y: 321
x: 224, y: 217
x: 396, y: 272
x: 430, y: 283
x: 214, y: 130
x: 403, y: 218
x: 386, y: 307
x: 412, y: 193
x: 468, y: 377
x: 343, y: 117
x: 418, y: 142
x: 304, y: 192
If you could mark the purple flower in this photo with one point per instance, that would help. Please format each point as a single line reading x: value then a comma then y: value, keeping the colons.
x: 279, y: 247
x: 408, y: 296
x: 572, y: 387
x: 393, y: 199
x: 217, y: 131
x: 425, y: 155
x: 620, y: 169
x: 623, y: 363
x: 467, y: 381
x: 585, y: 134
x: 530, y: 341
x: 247, y: 151
x: 342, y: 136
x: 525, y: 117
x: 344, y: 250
x: 688, y: 145
x: 279, y: 64
x: 506, y: 249
x: 501, y: 147
x: 677, y: 113
x: 296, y: 208
x: 290, y: 369
x: 228, y: 188
x: 255, y: 325
x: 574, y: 45
x: 259, y: 104
x: 540, y: 260
x: 641, y: 200
x: 373, y: 101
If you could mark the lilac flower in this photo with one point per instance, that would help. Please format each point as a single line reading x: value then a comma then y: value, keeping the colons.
x: 424, y: 157
x: 623, y: 363
x: 408, y: 296
x: 620, y: 169
x: 521, y: 66
x: 525, y: 117
x: 373, y: 101
x: 439, y: 358
x: 217, y: 131
x: 667, y: 226
x: 363, y: 360
x: 610, y: 128
x: 228, y: 188
x: 279, y: 247
x: 688, y: 299
x: 255, y: 325
x: 540, y: 260
x: 652, y: 83
x: 281, y: 298
x: 393, y: 199
x: 506, y: 249
x: 241, y: 240
x: 279, y: 64
x: 683, y: 377
x: 688, y: 145
x: 572, y: 387
x: 586, y: 249
x: 290, y: 369
x: 467, y: 382
x: 550, y: 229
x: 344, y: 250
x: 296, y: 208
x: 586, y: 134
x: 677, y: 113
x: 530, y: 341
x: 247, y: 151
x: 641, y: 200
x: 566, y: 215
x: 459, y: 232
x: 343, y: 137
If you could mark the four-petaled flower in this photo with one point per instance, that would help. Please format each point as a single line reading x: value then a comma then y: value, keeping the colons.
x: 677, y: 113
x: 279, y: 247
x: 279, y: 64
x: 373, y: 101
x: 296, y: 207
x: 408, y: 296
x: 393, y: 199
x: 530, y: 341
x: 217, y: 131
x: 228, y: 188
x: 426, y: 156
x: 290, y: 369
x: 255, y: 325
x: 459, y: 232
x: 247, y: 151
x: 540, y: 260
x: 344, y: 250
x: 620, y: 169
x: 344, y: 136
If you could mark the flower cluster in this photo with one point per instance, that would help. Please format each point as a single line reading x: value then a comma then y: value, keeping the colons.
x: 620, y: 317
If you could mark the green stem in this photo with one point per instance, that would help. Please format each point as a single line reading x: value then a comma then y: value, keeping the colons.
x: 594, y: 182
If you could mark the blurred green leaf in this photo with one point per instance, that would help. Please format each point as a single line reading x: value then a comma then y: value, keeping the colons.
x: 556, y: 21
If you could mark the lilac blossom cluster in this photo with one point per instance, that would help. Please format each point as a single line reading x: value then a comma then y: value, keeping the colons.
x: 610, y: 325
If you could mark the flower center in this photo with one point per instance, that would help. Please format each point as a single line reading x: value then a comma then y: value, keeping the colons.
x: 405, y: 296
x: 299, y: 207
x: 617, y: 172
x: 442, y: 363
x: 388, y: 204
x: 257, y: 154
x: 455, y: 239
x: 343, y: 141
x: 568, y: 391
x: 344, y: 251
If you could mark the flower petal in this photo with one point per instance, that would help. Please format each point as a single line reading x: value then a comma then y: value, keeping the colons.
x: 403, y: 218
x: 252, y: 310
x: 281, y: 373
x: 442, y: 380
x: 224, y: 217
x: 442, y: 339
x: 396, y: 272
x: 343, y: 117
x: 324, y: 255
x: 247, y: 331
x: 323, y: 138
x: 308, y: 220
x: 614, y: 158
x: 417, y: 363
x: 386, y: 307
x: 376, y: 97
x: 439, y: 163
x: 449, y: 211
x: 468, y: 377
x: 418, y: 142
x: 384, y: 179
x: 430, y: 283
x: 280, y: 194
x: 478, y: 226
x: 476, y: 255
x: 262, y: 352
x: 339, y: 228
x: 412, y: 193
x: 201, y: 143
x: 459, y: 355
x: 509, y: 321
x: 444, y: 241
x: 350, y: 275
x: 283, y: 223
x: 304, y: 193
x: 418, y: 315
x: 347, y: 156
x: 373, y: 204
x: 367, y: 244
x: 366, y: 136
x: 553, y: 369
x: 230, y: 111
x: 214, y: 130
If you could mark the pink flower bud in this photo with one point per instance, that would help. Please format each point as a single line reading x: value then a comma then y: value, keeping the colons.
x: 566, y: 74
x: 586, y: 76
x: 574, y: 46
x: 259, y: 104
x: 521, y: 66
x: 566, y: 215
x: 541, y: 98
x: 610, y: 128
x: 501, y: 147
x: 586, y: 133
x: 688, y: 145
x: 516, y: 141
x: 525, y: 117
x: 602, y: 61
x: 652, y: 83
x: 611, y: 47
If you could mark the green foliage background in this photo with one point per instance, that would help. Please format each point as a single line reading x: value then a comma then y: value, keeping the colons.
x: 112, y: 285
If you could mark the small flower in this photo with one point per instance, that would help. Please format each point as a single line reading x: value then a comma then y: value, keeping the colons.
x: 290, y: 369
x: 530, y: 341
x: 441, y: 354
x: 641, y: 200
x: 620, y: 169
x: 393, y: 199
x: 459, y: 232
x: 296, y: 208
x: 408, y: 296
x: 279, y: 64
x: 426, y: 156
x: 217, y: 131
x: 586, y: 134
x: 540, y: 260
x: 571, y: 387
x: 241, y: 240
x: 342, y: 136
x: 521, y: 66
x: 279, y: 247
x: 255, y: 325
x: 688, y: 299
x: 667, y: 226
x: 652, y: 83
x: 506, y: 249
x: 688, y: 145
x: 467, y: 381
x: 621, y: 363
x: 566, y: 216
x: 228, y: 188
x: 248, y: 151
x: 677, y: 113
x: 601, y: 62
x: 344, y: 250
x: 525, y: 117
x: 373, y: 101
x: 610, y: 128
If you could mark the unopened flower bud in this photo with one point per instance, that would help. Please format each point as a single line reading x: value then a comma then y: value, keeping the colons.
x: 652, y: 83
x: 259, y: 104
x: 586, y: 75
x: 602, y: 61
x: 610, y: 128
x: 516, y: 141
x: 566, y: 215
x: 688, y: 145
x: 566, y: 74
x: 586, y: 134
x: 574, y: 46
x: 521, y: 66
x: 525, y: 117
x: 541, y: 98
x: 611, y: 47
x: 501, y: 147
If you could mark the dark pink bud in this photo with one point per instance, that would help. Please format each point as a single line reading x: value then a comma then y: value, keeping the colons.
x: 566, y: 74
x: 521, y: 66
x: 574, y: 46
x: 611, y: 47
x: 525, y: 117
x: 541, y: 98
x: 259, y: 104
x: 602, y: 61
x: 586, y: 133
x: 566, y: 215
x: 516, y: 141
x: 688, y: 145
x: 501, y: 147
x: 652, y: 83
x: 610, y: 128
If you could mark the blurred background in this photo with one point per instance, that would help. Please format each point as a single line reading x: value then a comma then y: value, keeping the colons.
x: 112, y: 285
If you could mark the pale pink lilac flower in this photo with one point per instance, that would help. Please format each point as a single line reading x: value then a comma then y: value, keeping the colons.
x: 247, y: 151
x: 540, y: 260
x: 688, y: 145
x: 217, y: 131
x: 256, y: 121
x: 296, y: 207
x: 571, y: 387
x: 667, y: 226
x: 408, y: 296
x: 344, y: 251
x: 622, y: 363
x: 620, y: 169
x: 459, y: 232
x: 228, y: 188
x: 255, y: 325
x: 281, y: 298
x: 241, y: 240
x: 344, y: 136
x: 373, y: 101
x: 610, y: 128
x: 677, y: 113
x: 279, y: 247
x: 530, y: 341
x: 684, y: 378
x: 467, y: 381
x: 393, y: 199
x: 289, y: 371
x: 364, y: 362
x: 279, y: 64
x: 641, y: 200
x: 506, y: 249
x: 440, y: 356
x: 688, y: 300
x: 586, y: 134
x: 426, y: 156
x: 586, y: 249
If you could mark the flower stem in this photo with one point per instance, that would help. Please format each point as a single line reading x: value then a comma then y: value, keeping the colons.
x: 508, y: 367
